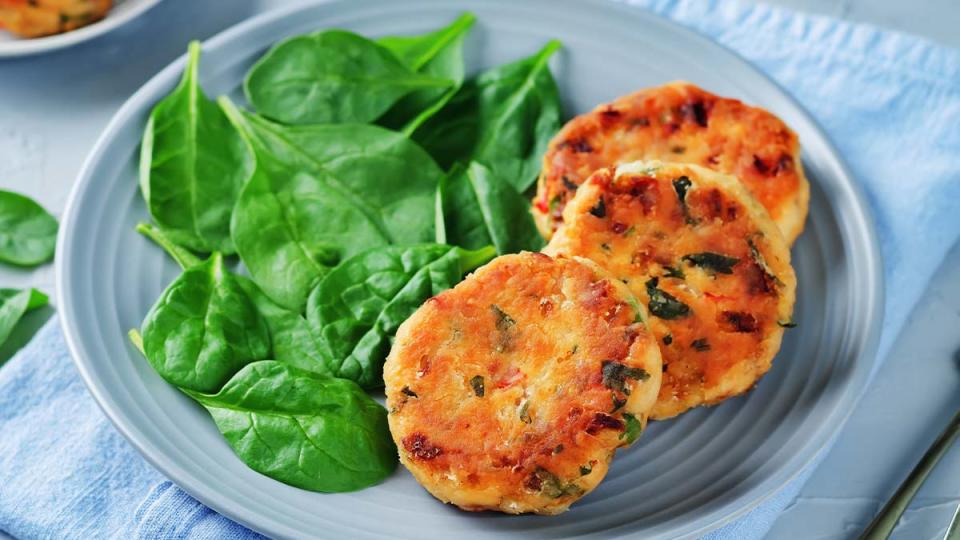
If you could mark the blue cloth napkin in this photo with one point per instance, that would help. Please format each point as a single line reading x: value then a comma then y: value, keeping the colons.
x: 890, y: 102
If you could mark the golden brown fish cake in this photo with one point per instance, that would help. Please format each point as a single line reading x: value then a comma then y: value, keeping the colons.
x: 678, y: 122
x: 704, y: 257
x: 35, y: 18
x: 512, y: 391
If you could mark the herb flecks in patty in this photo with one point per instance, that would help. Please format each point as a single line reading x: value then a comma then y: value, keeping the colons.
x: 681, y: 185
x: 504, y: 321
x: 599, y: 209
x: 673, y: 272
x: 615, y: 375
x: 477, y: 384
x: 700, y: 345
x: 663, y: 304
x: 504, y: 324
x: 761, y: 262
x: 618, y: 403
x: 633, y: 428
x: 550, y: 485
x: 525, y: 413
x: 713, y: 262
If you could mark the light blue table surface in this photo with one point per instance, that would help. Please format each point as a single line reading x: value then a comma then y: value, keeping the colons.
x: 52, y: 110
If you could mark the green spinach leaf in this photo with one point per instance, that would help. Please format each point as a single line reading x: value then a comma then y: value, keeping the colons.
x: 308, y: 431
x: 502, y: 118
x: 331, y: 77
x: 204, y: 328
x: 14, y: 303
x: 183, y: 256
x: 28, y: 234
x: 291, y: 339
x: 478, y: 209
x: 360, y: 304
x: 323, y: 193
x: 192, y: 165
x: 439, y: 54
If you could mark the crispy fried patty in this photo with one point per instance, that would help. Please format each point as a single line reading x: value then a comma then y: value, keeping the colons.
x: 706, y: 260
x: 35, y: 18
x: 678, y: 122
x: 512, y: 390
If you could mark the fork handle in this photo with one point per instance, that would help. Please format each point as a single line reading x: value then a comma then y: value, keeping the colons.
x: 882, y: 525
x: 953, y: 531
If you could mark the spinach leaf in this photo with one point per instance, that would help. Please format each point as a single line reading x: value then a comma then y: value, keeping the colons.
x: 502, y: 118
x: 203, y: 329
x: 322, y: 193
x: 192, y: 165
x: 28, y: 234
x: 183, y: 256
x: 308, y: 431
x: 360, y: 304
x: 291, y: 339
x: 14, y: 303
x: 439, y: 54
x: 714, y: 262
x: 331, y: 77
x: 478, y: 209
x: 663, y: 304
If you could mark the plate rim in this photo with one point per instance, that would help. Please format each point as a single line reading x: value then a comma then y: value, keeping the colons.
x: 765, y: 490
x: 33, y: 46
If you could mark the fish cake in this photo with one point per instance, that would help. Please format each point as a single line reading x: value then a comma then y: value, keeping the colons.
x: 513, y: 390
x: 678, y: 122
x: 704, y: 257
x: 35, y: 18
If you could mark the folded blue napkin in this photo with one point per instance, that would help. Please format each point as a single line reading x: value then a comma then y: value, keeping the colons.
x: 890, y: 102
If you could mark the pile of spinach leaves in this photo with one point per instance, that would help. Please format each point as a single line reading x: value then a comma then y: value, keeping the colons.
x: 28, y: 236
x: 366, y: 177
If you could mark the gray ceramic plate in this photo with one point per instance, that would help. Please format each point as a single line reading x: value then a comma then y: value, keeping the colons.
x: 686, y: 477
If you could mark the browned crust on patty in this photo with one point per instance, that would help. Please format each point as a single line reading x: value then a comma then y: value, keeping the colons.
x: 679, y: 122
x: 714, y: 252
x: 512, y: 390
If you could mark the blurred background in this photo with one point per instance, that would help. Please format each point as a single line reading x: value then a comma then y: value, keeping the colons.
x: 933, y: 19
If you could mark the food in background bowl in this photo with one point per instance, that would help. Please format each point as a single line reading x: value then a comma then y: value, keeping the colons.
x: 36, y: 18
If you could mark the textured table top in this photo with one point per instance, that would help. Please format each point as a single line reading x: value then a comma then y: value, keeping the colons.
x: 52, y: 108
